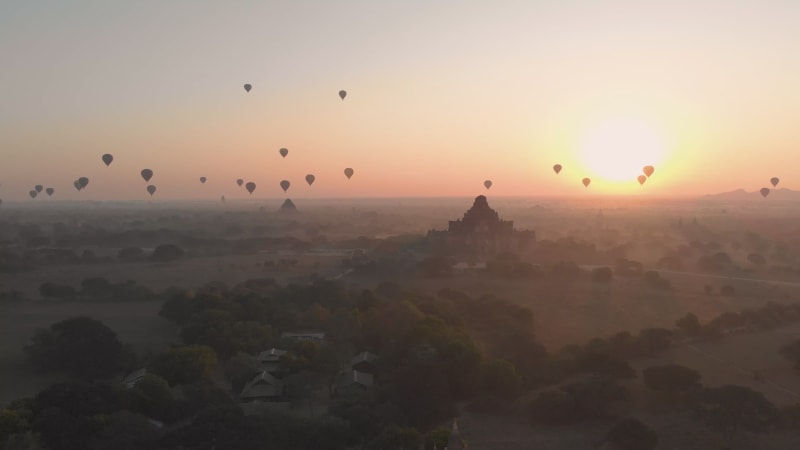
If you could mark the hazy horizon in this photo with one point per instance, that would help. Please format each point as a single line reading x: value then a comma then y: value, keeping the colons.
x: 441, y: 96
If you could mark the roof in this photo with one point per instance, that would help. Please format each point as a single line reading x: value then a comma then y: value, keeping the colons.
x: 303, y: 334
x: 363, y: 357
x: 134, y: 377
x: 272, y: 354
x: 354, y: 377
x: 263, y: 385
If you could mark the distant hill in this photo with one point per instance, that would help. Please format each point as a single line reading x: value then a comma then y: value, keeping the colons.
x: 741, y: 194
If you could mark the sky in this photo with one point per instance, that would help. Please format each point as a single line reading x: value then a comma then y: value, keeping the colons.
x: 442, y: 95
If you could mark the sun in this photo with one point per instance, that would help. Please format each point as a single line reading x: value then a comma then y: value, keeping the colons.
x: 617, y: 149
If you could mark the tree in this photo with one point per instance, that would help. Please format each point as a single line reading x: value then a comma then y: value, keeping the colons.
x: 130, y: 254
x: 82, y: 346
x: 167, y: 252
x: 57, y: 290
x: 501, y: 379
x: 602, y: 275
x: 733, y: 408
x: 397, y: 438
x: 631, y: 434
x: 184, y: 365
x: 689, y: 324
x: 671, y: 378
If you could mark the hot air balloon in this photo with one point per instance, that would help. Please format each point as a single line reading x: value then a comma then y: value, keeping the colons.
x: 77, y: 184
x: 342, y: 94
x: 641, y: 179
x: 284, y: 152
x: 764, y: 192
x: 487, y: 183
x: 50, y: 191
x: 310, y: 179
x: 83, y: 181
x: 222, y: 199
x: 147, y: 174
x: 250, y: 186
x: 33, y: 194
x: 38, y: 188
x: 107, y: 158
x: 774, y: 181
x: 240, y: 182
x: 648, y: 170
x: 557, y: 168
x: 348, y: 173
x: 247, y: 87
x: 203, y: 180
x: 151, y: 189
x: 586, y: 182
x: 285, y: 185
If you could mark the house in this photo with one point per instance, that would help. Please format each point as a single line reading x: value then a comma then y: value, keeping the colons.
x: 134, y: 377
x: 364, y: 362
x: 353, y: 381
x: 263, y: 387
x: 313, y: 336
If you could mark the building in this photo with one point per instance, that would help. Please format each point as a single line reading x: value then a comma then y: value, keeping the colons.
x: 353, y: 381
x: 481, y: 232
x: 364, y: 362
x: 270, y: 361
x: 313, y: 336
x: 264, y: 387
x: 134, y: 377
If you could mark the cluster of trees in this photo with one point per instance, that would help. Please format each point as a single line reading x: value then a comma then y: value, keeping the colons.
x: 767, y: 317
x: 434, y: 351
x: 98, y: 289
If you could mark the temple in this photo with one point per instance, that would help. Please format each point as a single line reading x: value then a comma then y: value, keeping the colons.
x: 481, y: 232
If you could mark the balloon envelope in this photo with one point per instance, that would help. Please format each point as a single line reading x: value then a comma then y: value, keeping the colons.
x: 764, y: 192
x: 202, y: 179
x: 641, y: 179
x: 557, y: 168
x: 348, y: 173
x: 107, y: 158
x: 77, y: 184
x: 83, y: 181
x: 284, y: 152
x: 310, y: 179
x: 151, y: 189
x: 285, y: 185
x: 147, y: 174
x: 38, y: 188
x: 774, y: 181
x: 342, y: 94
x: 648, y: 170
x: 487, y: 183
x: 240, y: 182
x: 586, y: 182
x: 33, y: 194
x: 247, y: 87
x: 250, y: 186
x: 50, y: 191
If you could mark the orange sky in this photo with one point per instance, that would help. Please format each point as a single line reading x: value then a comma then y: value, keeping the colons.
x: 441, y: 96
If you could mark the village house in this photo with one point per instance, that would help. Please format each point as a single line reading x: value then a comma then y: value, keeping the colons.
x: 364, y: 362
x: 270, y: 361
x: 264, y: 387
x: 133, y: 378
x: 352, y: 381
x: 313, y: 336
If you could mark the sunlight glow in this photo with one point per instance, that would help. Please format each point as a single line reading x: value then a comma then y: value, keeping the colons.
x: 616, y: 150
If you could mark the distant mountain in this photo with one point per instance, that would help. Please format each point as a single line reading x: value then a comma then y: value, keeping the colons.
x: 741, y: 194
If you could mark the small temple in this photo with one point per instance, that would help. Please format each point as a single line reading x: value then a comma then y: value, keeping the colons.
x: 481, y: 232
